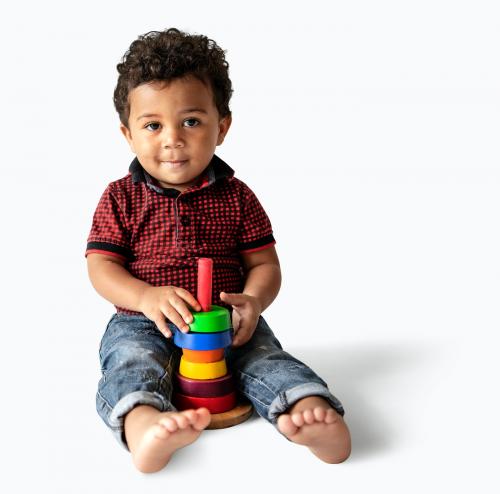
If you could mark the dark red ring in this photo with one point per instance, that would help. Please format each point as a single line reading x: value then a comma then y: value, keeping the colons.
x: 206, y: 387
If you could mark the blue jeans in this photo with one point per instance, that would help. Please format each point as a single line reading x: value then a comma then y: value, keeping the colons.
x: 138, y: 363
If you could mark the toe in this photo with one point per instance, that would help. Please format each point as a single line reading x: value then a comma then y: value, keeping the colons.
x: 202, y: 420
x: 191, y: 416
x: 308, y: 416
x: 181, y: 420
x: 169, y: 423
x: 331, y: 416
x: 319, y: 414
x: 286, y: 426
x: 297, y: 419
x: 159, y: 431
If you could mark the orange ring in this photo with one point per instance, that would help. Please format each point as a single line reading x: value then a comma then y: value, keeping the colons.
x: 203, y: 356
x: 216, y: 404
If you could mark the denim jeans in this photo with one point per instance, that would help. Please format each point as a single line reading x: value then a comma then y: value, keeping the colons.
x: 138, y: 362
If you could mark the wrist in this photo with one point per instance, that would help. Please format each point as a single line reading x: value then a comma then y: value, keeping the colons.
x: 142, y: 298
x: 257, y: 303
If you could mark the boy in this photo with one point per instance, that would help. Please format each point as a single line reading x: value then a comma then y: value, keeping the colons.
x: 178, y: 203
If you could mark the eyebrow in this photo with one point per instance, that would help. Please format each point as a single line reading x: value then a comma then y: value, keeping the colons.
x: 187, y: 110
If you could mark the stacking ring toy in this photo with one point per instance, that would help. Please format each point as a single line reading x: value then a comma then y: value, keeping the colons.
x: 216, y: 319
x: 202, y: 379
x: 215, y: 404
x: 203, y: 355
x: 208, y: 388
x: 202, y: 341
x: 210, y: 370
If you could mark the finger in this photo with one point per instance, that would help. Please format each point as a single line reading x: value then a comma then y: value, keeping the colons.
x: 181, y: 308
x: 236, y: 320
x: 175, y: 318
x: 238, y: 329
x: 162, y: 325
x: 187, y: 297
x: 235, y: 341
x: 241, y: 337
x: 234, y: 299
x: 240, y: 341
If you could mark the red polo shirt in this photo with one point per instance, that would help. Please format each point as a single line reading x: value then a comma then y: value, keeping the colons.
x: 161, y: 233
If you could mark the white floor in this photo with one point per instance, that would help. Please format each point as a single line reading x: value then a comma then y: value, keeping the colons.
x: 372, y: 142
x: 423, y: 416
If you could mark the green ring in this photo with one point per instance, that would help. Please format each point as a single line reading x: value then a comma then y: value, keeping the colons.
x: 216, y: 320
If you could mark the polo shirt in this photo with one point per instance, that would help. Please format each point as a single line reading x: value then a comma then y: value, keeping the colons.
x: 161, y: 233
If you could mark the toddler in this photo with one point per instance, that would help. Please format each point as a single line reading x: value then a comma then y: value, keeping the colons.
x: 180, y: 202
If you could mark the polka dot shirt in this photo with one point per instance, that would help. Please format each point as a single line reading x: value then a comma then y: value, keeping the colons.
x: 160, y: 233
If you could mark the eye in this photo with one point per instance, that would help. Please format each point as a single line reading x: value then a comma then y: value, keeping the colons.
x: 191, y: 122
x: 152, y: 123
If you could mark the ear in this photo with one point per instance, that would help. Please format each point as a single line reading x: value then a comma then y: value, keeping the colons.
x: 126, y: 132
x: 224, y: 125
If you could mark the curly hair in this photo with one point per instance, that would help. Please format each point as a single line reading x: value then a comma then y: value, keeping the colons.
x: 168, y: 55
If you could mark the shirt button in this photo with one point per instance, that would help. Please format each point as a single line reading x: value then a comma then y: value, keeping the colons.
x: 185, y: 220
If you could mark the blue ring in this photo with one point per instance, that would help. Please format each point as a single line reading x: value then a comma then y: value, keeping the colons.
x: 203, y: 341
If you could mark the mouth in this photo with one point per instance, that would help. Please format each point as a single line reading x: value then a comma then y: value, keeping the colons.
x: 173, y: 164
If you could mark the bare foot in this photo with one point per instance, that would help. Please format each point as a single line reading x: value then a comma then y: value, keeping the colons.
x: 155, y: 436
x: 319, y: 427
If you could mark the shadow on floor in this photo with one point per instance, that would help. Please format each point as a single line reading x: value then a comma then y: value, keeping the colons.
x: 360, y: 375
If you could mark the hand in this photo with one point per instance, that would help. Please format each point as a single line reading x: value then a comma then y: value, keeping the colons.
x: 158, y: 302
x: 246, y: 312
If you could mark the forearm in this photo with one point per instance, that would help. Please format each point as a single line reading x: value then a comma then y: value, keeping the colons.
x: 113, y: 282
x: 263, y: 282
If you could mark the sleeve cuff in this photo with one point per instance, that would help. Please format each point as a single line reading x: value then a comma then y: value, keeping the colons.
x: 108, y: 249
x: 255, y: 245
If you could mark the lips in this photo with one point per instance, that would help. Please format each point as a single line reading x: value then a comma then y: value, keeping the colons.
x: 174, y: 164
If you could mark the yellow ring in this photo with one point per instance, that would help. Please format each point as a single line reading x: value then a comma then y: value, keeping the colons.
x: 208, y: 370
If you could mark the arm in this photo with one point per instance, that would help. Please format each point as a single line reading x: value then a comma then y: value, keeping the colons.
x: 262, y: 284
x: 111, y: 279
x: 263, y: 276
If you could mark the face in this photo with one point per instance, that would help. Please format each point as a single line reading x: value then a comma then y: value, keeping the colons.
x: 174, y: 129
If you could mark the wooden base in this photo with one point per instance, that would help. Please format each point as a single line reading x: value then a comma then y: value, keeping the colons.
x: 241, y: 412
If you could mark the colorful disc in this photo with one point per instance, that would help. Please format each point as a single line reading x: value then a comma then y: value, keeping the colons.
x: 202, y: 341
x: 215, y: 320
x: 210, y: 370
x: 216, y: 404
x: 207, y: 388
x: 203, y: 355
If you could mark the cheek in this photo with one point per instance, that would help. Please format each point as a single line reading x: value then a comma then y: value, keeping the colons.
x: 145, y: 146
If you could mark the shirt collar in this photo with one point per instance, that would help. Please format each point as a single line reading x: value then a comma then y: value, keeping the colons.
x: 216, y: 170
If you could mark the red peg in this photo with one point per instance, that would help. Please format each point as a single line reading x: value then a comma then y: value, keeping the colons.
x: 205, y: 265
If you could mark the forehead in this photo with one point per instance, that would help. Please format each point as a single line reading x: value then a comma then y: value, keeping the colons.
x: 174, y: 95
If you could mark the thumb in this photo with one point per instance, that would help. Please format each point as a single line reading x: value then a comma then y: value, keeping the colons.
x: 232, y: 298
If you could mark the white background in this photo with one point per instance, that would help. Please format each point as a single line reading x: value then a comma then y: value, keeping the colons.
x: 369, y: 131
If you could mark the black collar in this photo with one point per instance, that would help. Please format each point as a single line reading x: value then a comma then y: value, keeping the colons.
x: 216, y: 170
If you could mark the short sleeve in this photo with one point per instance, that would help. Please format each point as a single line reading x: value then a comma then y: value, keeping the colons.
x: 108, y: 234
x: 256, y: 232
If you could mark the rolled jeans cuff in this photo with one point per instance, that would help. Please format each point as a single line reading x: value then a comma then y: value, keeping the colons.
x: 289, y: 397
x: 130, y: 401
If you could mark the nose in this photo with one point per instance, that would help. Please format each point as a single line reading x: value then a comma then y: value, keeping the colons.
x: 172, y: 137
